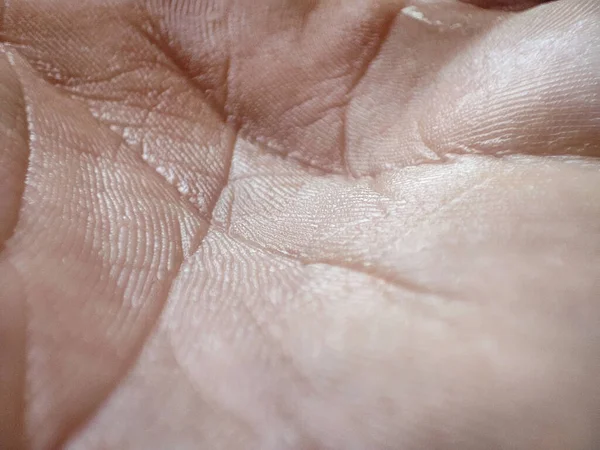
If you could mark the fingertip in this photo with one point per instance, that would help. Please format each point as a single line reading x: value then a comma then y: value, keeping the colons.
x: 506, y: 5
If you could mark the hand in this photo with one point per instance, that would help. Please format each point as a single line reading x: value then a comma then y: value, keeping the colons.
x: 286, y: 224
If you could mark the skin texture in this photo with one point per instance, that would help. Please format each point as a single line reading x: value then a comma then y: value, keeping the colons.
x: 284, y: 224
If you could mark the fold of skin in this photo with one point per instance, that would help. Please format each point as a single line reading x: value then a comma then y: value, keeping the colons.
x: 283, y: 224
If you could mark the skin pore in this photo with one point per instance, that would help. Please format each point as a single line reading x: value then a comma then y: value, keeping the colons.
x: 299, y: 224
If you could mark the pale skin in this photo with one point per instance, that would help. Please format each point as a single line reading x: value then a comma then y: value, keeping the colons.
x: 287, y: 224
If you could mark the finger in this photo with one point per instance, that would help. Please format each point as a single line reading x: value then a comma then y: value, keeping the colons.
x: 13, y: 152
x: 98, y: 238
x: 507, y: 5
x: 531, y: 86
x: 13, y: 165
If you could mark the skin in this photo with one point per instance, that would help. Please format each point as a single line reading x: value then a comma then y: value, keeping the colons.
x: 283, y: 224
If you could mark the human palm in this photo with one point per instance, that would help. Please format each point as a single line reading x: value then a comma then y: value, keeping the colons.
x: 285, y: 224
